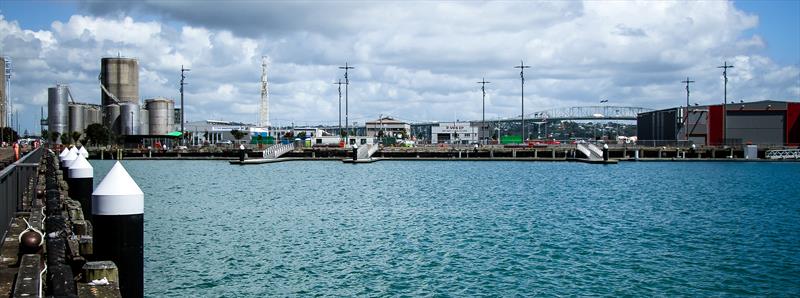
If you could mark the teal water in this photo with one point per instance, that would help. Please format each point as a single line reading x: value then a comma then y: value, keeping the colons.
x: 469, y: 228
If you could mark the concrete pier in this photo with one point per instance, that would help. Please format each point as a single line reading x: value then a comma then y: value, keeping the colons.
x: 45, y: 226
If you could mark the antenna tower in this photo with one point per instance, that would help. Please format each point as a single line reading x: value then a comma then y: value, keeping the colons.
x: 263, y: 108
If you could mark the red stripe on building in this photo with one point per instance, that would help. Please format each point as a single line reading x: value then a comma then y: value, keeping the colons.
x: 793, y: 124
x: 714, y: 125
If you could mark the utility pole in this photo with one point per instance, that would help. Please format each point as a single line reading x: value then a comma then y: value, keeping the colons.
x: 686, y: 116
x: 346, y: 67
x: 183, y: 120
x: 340, y: 106
x: 483, y: 83
x: 522, y: 68
x: 725, y: 67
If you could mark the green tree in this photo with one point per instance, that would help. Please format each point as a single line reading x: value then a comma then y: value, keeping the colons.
x: 238, y: 134
x: 97, y: 134
x: 302, y: 135
x: 76, y: 136
x: 54, y: 135
x: 66, y: 139
x: 9, y: 135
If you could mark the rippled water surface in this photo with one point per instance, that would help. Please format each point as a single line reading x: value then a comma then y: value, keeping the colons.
x: 426, y: 228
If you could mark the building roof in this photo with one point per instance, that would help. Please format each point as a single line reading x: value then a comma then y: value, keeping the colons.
x: 385, y: 120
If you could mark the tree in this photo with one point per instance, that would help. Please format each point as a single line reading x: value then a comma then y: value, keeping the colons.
x: 9, y: 135
x: 65, y: 139
x: 54, y: 135
x: 302, y: 135
x: 238, y: 134
x: 97, y: 134
x: 76, y: 136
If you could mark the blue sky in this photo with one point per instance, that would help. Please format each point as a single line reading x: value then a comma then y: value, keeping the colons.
x: 416, y: 61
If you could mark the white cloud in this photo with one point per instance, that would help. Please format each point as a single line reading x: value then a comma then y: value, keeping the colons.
x: 416, y: 62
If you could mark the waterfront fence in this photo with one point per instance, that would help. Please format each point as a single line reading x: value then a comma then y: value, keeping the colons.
x: 13, y: 182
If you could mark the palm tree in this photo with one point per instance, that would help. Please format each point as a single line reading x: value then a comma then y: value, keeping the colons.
x: 75, y: 137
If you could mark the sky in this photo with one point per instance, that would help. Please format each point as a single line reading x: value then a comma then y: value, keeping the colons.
x: 414, y: 60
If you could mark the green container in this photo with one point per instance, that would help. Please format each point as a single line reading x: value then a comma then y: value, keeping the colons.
x: 510, y: 139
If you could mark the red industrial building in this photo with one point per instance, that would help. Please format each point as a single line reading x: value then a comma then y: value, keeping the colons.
x: 768, y: 123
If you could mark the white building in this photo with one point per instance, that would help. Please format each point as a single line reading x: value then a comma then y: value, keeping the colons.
x: 454, y: 133
x: 390, y: 127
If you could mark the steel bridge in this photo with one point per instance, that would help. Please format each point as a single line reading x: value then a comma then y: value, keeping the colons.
x: 570, y: 113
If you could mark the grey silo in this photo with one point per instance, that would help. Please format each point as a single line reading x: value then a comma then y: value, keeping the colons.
x: 76, y: 117
x: 57, y: 110
x: 120, y: 76
x: 158, y: 112
x: 129, y: 118
x: 111, y: 117
x: 144, y: 121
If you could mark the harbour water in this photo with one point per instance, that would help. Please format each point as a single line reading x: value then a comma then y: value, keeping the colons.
x: 466, y: 228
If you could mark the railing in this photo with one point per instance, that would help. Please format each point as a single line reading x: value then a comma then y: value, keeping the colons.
x: 590, y: 151
x: 13, y: 181
x: 277, y: 150
x: 783, y: 154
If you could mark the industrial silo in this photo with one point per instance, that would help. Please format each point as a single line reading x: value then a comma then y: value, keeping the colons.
x: 111, y: 117
x: 120, y: 77
x: 171, y: 115
x: 57, y: 110
x: 129, y: 118
x: 76, y: 117
x: 158, y: 110
x: 144, y: 122
x: 93, y: 115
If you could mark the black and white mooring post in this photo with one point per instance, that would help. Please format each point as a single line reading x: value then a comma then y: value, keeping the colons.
x: 67, y: 161
x: 605, y: 152
x: 81, y: 180
x: 355, y: 152
x: 83, y: 152
x: 118, y: 220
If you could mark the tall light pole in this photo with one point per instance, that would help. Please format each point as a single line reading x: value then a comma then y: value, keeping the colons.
x: 340, y: 105
x: 725, y: 67
x: 183, y: 120
x: 346, y: 67
x: 483, y: 83
x: 686, y: 116
x: 522, y: 68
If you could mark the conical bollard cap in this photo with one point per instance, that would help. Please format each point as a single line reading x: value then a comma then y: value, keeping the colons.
x: 70, y: 157
x: 81, y: 168
x: 63, y: 153
x: 117, y: 194
x: 83, y: 152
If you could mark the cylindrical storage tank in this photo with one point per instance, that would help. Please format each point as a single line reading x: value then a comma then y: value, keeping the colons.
x: 144, y: 122
x: 158, y: 113
x: 120, y: 76
x: 87, y: 115
x: 111, y: 117
x: 76, y: 117
x: 129, y: 118
x: 171, y: 115
x: 57, y: 111
x: 97, y: 114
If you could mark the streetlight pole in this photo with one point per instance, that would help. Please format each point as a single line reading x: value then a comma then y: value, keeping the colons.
x: 483, y: 83
x: 346, y: 67
x: 340, y: 105
x: 522, y: 68
x: 725, y: 67
x: 686, y: 116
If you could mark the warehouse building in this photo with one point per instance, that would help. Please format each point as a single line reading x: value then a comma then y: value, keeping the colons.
x: 454, y: 133
x: 766, y: 123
